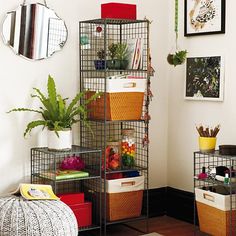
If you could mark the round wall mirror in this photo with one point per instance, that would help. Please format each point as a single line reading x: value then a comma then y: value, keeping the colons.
x: 34, y: 31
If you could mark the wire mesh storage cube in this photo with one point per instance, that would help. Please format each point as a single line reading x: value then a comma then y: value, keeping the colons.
x: 215, y: 197
x: 124, y: 101
x: 46, y: 169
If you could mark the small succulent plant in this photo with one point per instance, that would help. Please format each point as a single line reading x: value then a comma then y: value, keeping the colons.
x: 101, y: 54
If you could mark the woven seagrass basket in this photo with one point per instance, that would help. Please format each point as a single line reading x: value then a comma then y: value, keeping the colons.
x: 124, y: 205
x: 214, y: 221
x: 119, y: 106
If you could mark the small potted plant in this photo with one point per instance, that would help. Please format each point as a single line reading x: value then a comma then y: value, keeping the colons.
x: 121, y: 55
x: 118, y: 53
x: 177, y: 58
x: 57, y: 116
x: 100, y: 63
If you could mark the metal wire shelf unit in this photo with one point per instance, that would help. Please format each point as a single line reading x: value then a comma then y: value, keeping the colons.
x: 45, y: 163
x: 210, y: 161
x: 114, y: 31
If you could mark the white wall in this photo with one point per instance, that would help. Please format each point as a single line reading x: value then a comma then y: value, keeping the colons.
x: 183, y: 115
x: 18, y: 77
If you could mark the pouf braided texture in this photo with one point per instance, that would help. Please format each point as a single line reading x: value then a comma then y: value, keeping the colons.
x: 20, y: 217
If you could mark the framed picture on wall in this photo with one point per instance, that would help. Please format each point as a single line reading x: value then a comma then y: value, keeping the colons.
x: 204, y: 78
x: 204, y: 17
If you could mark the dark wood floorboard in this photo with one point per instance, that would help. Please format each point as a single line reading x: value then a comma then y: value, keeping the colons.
x: 163, y: 225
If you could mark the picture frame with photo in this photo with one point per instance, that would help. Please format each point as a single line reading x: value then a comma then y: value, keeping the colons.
x: 204, y: 78
x: 204, y: 17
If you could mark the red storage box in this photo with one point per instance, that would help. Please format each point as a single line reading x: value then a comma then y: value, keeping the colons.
x: 81, y: 209
x: 118, y: 10
x: 83, y: 213
x: 72, y: 198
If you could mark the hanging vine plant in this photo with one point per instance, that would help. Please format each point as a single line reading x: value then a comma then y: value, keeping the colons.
x: 179, y: 56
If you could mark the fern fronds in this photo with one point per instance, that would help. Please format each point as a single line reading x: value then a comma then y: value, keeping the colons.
x: 56, y: 115
x: 52, y: 93
x: 34, y: 124
x: 24, y: 109
x: 74, y: 102
x: 61, y: 107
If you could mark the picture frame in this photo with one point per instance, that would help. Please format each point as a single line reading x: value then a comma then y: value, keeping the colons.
x: 203, y: 17
x: 204, y: 78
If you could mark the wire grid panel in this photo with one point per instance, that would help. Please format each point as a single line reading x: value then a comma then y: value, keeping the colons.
x: 46, y: 161
x: 113, y: 105
x: 102, y: 133
x: 95, y: 79
x: 45, y: 165
x: 111, y: 31
x: 92, y: 190
x: 213, y: 184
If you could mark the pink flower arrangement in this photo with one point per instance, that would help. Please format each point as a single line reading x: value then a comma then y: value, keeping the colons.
x: 72, y: 163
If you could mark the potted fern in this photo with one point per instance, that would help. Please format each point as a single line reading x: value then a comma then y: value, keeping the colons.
x: 57, y: 116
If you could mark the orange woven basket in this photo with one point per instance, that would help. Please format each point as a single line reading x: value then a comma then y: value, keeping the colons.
x: 119, y: 106
x: 124, y: 205
x: 214, y: 221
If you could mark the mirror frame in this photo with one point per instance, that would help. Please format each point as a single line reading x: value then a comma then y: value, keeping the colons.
x: 6, y: 41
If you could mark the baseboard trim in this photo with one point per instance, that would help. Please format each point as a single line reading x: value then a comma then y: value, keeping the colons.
x: 171, y: 202
x: 180, y: 204
x: 156, y: 202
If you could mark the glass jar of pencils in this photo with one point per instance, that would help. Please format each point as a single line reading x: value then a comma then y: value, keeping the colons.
x: 207, y: 138
x: 207, y: 144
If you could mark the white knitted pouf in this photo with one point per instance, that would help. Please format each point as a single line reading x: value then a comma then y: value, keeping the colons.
x: 20, y: 217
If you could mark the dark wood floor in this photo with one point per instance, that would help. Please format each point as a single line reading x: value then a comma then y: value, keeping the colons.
x: 163, y: 225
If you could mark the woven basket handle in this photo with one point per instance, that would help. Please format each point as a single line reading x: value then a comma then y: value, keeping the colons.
x: 209, y: 197
x: 129, y: 85
x: 130, y: 183
x: 127, y: 184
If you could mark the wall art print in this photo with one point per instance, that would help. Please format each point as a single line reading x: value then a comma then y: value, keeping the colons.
x: 204, y: 17
x: 204, y: 78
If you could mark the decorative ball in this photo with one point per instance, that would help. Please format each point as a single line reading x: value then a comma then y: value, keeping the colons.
x: 20, y: 217
x: 72, y: 163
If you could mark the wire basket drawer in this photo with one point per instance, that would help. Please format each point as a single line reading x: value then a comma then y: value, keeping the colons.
x: 119, y: 106
x: 124, y: 197
x: 214, y: 213
x: 122, y: 99
x: 214, y: 221
x: 124, y: 205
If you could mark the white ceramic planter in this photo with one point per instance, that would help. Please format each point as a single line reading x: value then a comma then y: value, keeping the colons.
x: 63, y: 142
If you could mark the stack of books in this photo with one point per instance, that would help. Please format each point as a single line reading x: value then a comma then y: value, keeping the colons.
x: 135, y: 53
x: 64, y: 174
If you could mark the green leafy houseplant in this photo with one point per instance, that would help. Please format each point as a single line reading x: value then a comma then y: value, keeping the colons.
x: 55, y: 114
x: 118, y: 53
x: 177, y: 58
x: 121, y: 51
